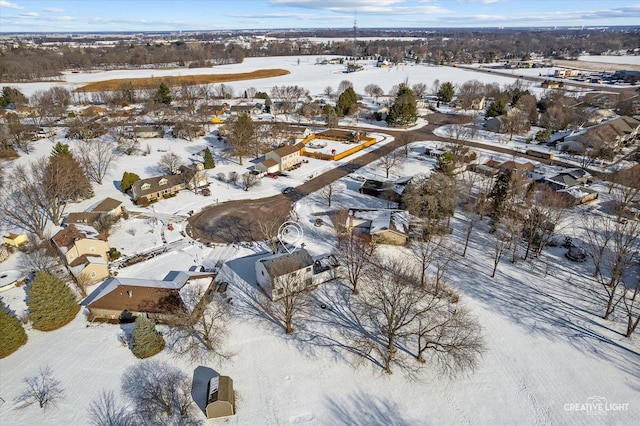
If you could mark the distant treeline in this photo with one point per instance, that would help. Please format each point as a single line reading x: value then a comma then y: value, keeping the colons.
x: 441, y: 46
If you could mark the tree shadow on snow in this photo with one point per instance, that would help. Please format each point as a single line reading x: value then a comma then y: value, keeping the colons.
x: 362, y: 409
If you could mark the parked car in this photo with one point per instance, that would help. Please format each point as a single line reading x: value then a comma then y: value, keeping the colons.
x: 358, y: 178
x: 288, y: 190
x: 272, y: 175
x: 319, y: 222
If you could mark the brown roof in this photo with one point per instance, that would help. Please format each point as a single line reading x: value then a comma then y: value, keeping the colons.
x: 141, y: 299
x: 107, y: 205
x: 286, y: 150
x: 269, y: 162
x: 68, y: 236
x: 512, y: 165
x: 83, y: 260
x: 84, y: 217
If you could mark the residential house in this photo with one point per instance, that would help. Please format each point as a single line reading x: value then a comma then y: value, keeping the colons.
x: 121, y: 299
x: 520, y: 168
x: 478, y: 104
x: 15, y: 240
x: 108, y: 206
x: 385, y: 190
x: 144, y: 132
x: 580, y: 195
x: 245, y: 109
x: 568, y: 179
x: 84, y: 250
x: 384, y: 226
x: 158, y: 187
x: 275, y: 274
x: 495, y: 124
x: 287, y: 157
x: 220, y: 397
x: 615, y: 133
x: 268, y: 166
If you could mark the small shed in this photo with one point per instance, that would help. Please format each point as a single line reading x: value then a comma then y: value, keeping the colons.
x: 220, y: 397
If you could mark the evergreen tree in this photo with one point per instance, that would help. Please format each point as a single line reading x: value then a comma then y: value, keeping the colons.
x: 209, y: 162
x: 146, y: 340
x: 61, y: 149
x: 13, y: 335
x: 51, y: 303
x: 404, y: 111
x: 267, y: 104
x: 346, y: 100
x: 446, y: 92
x: 446, y: 163
x: 330, y: 116
x: 496, y: 108
x: 163, y: 95
x: 127, y: 180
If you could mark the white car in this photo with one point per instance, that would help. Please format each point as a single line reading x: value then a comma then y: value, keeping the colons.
x: 358, y: 178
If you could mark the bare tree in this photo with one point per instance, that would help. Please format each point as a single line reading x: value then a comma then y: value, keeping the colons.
x: 243, y: 133
x: 329, y: 191
x: 42, y: 388
x: 22, y: 201
x: 373, y: 90
x: 390, y: 161
x: 291, y: 289
x: 328, y: 91
x: 630, y: 301
x: 626, y: 189
x: 356, y: 254
x: 199, y: 331
x: 344, y: 85
x: 419, y: 90
x: 268, y: 225
x: 39, y: 256
x: 612, y: 244
x: 169, y: 163
x: 250, y: 180
x: 233, y: 177
x: 452, y: 337
x: 160, y: 394
x: 501, y: 243
x: 106, y: 411
x: 95, y: 158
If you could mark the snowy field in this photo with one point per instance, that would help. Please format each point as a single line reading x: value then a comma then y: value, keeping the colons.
x: 604, y: 59
x: 307, y: 74
x: 548, y: 351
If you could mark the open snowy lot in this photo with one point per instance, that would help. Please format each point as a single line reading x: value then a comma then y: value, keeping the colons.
x: 548, y: 352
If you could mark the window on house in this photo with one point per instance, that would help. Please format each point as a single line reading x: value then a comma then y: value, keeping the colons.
x: 93, y: 274
x: 70, y: 256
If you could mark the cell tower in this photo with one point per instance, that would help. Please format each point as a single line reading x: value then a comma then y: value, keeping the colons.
x: 355, y: 36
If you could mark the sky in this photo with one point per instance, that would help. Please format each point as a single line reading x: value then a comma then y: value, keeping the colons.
x: 165, y: 15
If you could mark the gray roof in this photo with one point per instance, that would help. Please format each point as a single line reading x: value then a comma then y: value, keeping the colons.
x: 282, y: 264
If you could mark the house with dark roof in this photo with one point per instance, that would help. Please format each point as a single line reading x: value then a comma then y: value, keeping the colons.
x: 120, y: 299
x: 157, y: 187
x: 385, y: 190
x: 615, y: 133
x: 108, y: 206
x: 281, y: 273
x: 384, y: 226
x: 84, y: 250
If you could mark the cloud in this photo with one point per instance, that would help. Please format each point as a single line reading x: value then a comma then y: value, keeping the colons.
x: 9, y: 5
x: 53, y: 10
x: 29, y: 15
x: 363, y: 7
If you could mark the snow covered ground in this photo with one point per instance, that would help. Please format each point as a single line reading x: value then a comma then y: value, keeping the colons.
x: 548, y: 353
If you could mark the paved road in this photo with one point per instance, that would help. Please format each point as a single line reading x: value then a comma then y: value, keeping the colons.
x: 238, y: 220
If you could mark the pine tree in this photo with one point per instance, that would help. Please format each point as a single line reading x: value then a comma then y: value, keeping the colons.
x: 163, y: 95
x: 446, y: 92
x: 347, y: 99
x: 146, y: 340
x: 404, y: 111
x: 127, y: 180
x: 61, y: 149
x: 209, y: 162
x: 13, y: 335
x: 51, y: 303
x: 496, y: 108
